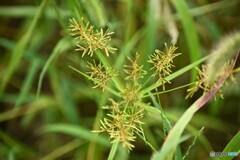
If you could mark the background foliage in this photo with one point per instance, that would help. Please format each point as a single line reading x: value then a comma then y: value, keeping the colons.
x: 47, y: 111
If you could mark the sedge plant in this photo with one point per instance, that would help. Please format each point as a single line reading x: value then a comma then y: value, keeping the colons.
x: 126, y: 106
x: 125, y: 111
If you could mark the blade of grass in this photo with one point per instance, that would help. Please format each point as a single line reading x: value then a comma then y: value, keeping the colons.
x: 154, y: 7
x: 189, y: 31
x: 35, y: 106
x: 99, y: 12
x: 28, y: 82
x: 232, y: 146
x: 126, y: 49
x: 61, y: 46
x: 58, y: 152
x: 28, y: 11
x: 205, y: 9
x: 61, y: 87
x: 16, y: 144
x: 21, y: 47
x: 165, y: 121
x: 64, y: 96
x: 76, y: 131
x: 11, y: 155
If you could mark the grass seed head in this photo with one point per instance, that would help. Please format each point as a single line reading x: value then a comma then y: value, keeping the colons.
x: 90, y: 40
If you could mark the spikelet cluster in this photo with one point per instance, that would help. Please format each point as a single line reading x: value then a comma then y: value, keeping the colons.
x: 201, y: 82
x: 163, y: 62
x: 122, y: 124
x: 218, y: 65
x: 134, y: 71
x: 100, y: 74
x: 90, y: 40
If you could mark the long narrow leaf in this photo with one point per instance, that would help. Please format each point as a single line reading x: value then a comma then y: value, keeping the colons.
x: 233, y: 147
x: 189, y: 31
x: 76, y: 131
x: 63, y: 44
x: 21, y: 47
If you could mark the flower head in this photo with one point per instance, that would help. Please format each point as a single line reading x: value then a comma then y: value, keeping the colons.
x: 90, y: 40
x: 162, y: 62
x: 121, y: 124
x: 134, y: 71
x: 100, y: 75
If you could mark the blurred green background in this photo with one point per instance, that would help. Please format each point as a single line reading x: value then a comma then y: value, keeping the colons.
x: 47, y: 110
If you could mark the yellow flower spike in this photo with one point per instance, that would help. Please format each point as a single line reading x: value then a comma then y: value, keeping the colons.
x: 162, y: 63
x: 90, y: 40
x: 134, y: 71
x: 100, y: 74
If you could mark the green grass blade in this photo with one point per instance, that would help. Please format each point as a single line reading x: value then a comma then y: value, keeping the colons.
x: 14, y: 11
x: 99, y: 12
x: 62, y: 45
x: 21, y: 47
x: 63, y: 150
x: 189, y: 31
x: 6, y: 43
x: 33, y: 107
x: 76, y: 131
x: 15, y: 144
x: 11, y: 155
x: 28, y: 11
x: 150, y: 43
x: 232, y: 146
x: 64, y: 96
x: 205, y: 9
x: 28, y: 81
x: 126, y: 49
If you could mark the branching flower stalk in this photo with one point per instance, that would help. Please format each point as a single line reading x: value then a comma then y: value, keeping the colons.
x: 124, y: 116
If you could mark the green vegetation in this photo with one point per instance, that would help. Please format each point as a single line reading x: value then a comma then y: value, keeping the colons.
x: 120, y: 80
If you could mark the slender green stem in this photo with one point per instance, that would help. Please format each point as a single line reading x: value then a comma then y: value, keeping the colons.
x: 115, y: 79
x: 170, y: 90
x: 113, y: 151
x: 94, y: 80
